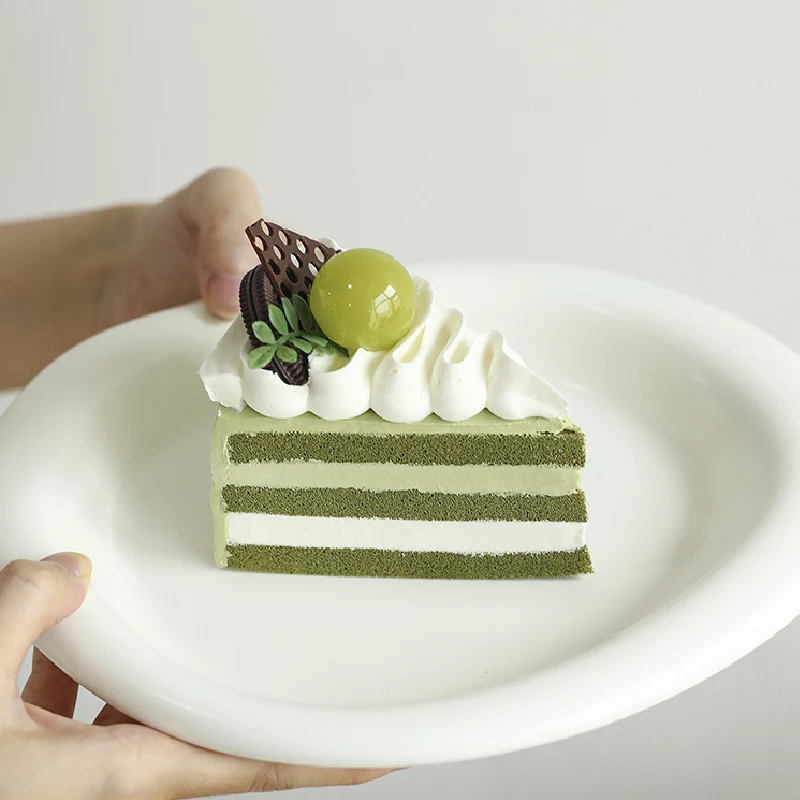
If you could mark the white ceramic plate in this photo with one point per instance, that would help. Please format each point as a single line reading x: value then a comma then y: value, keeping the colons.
x: 693, y: 427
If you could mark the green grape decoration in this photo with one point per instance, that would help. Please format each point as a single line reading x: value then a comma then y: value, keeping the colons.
x: 363, y: 298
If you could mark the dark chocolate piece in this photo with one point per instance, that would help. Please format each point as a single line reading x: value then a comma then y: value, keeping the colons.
x: 290, y: 260
x: 256, y: 294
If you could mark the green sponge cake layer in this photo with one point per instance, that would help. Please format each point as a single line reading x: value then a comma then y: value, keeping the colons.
x: 565, y: 448
x: 393, y: 564
x: 404, y: 504
x: 484, y: 439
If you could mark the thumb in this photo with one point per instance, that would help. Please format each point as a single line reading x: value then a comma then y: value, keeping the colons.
x: 35, y: 596
x: 219, y: 206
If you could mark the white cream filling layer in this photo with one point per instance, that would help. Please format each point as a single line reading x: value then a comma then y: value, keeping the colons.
x: 404, y: 535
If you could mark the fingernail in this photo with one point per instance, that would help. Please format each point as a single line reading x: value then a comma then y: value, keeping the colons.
x: 222, y: 295
x: 75, y: 563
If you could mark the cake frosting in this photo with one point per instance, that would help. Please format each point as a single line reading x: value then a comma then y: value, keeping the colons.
x: 441, y: 366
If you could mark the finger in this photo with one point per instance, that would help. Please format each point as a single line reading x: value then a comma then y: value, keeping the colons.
x: 234, y: 776
x: 219, y: 205
x: 35, y: 596
x: 50, y: 688
x: 54, y: 723
x: 112, y: 716
x: 174, y: 769
x: 276, y: 777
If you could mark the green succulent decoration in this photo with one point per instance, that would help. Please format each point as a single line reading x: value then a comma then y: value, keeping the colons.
x: 297, y: 331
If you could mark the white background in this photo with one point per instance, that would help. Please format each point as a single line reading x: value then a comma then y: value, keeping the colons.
x: 660, y: 140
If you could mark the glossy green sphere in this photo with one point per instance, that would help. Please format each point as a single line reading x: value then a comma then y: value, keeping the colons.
x: 363, y: 298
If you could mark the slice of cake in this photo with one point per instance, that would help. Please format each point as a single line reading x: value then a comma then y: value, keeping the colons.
x: 365, y: 431
x: 483, y: 498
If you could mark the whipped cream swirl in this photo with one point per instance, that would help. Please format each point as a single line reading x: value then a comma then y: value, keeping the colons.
x: 439, y: 367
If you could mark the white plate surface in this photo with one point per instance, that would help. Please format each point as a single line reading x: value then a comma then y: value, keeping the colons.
x: 693, y: 427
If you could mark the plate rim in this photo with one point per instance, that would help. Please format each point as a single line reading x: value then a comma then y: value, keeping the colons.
x: 413, y: 733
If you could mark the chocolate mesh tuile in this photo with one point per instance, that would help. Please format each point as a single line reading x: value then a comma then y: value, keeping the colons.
x: 289, y: 264
x: 290, y: 260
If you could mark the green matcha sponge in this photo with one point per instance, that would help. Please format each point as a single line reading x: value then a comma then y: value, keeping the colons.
x: 393, y: 564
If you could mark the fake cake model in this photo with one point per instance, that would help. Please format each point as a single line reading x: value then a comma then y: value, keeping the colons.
x: 364, y: 430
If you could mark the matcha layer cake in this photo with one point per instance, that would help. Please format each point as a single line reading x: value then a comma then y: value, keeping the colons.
x: 482, y: 498
x: 363, y: 430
